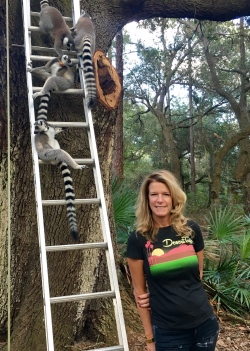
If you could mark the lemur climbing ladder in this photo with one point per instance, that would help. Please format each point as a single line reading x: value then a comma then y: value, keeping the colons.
x: 100, y: 200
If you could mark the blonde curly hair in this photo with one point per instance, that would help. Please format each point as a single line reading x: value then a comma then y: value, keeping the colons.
x: 144, y: 221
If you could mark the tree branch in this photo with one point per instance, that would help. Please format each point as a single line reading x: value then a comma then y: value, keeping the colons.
x: 199, y: 9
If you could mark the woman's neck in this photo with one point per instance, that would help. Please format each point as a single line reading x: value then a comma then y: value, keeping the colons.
x: 161, y: 223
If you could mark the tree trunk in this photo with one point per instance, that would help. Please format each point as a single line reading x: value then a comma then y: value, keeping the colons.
x: 191, y: 129
x: 218, y: 159
x: 71, y: 272
x: 174, y: 161
x: 118, y: 147
x: 241, y: 113
x: 242, y: 169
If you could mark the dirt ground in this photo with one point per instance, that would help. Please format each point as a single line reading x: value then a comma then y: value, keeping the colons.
x: 234, y: 336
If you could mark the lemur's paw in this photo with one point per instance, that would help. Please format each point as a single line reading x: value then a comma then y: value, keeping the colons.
x: 29, y: 67
x: 36, y: 95
x: 82, y: 167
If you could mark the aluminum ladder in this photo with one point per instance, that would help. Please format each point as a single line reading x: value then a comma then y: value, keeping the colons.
x: 114, y: 293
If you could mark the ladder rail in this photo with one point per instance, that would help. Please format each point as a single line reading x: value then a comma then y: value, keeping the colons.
x: 102, y: 209
x: 37, y: 185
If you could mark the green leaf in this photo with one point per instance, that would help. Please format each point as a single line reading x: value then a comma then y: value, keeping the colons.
x: 224, y: 223
x: 124, y: 198
x: 245, y: 247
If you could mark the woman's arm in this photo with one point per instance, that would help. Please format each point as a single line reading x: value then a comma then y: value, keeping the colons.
x: 200, y: 256
x: 139, y: 285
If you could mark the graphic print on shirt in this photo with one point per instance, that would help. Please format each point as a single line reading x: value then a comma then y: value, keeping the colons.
x: 171, y: 256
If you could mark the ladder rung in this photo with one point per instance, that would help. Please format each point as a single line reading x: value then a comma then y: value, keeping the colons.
x: 110, y: 348
x: 80, y: 161
x: 102, y: 245
x: 77, y: 202
x: 37, y: 14
x: 84, y: 161
x: 34, y: 14
x: 68, y: 91
x: 89, y: 296
x: 48, y: 58
x: 34, y: 29
x: 70, y: 124
x: 52, y: 50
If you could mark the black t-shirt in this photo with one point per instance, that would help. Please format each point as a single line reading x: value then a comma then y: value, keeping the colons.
x: 177, y: 297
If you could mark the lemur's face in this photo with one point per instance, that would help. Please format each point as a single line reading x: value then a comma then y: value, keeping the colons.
x: 40, y: 126
x: 66, y: 60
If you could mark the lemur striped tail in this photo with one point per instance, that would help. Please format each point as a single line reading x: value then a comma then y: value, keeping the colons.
x: 88, y: 71
x: 70, y: 200
x: 43, y: 107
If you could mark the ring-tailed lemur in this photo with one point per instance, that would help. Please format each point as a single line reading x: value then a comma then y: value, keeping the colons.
x: 85, y: 47
x: 52, y: 21
x: 58, y: 76
x: 48, y: 150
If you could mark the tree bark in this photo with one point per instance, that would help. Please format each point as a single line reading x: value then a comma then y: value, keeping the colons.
x: 191, y: 128
x: 218, y: 159
x: 167, y: 129
x: 118, y: 146
x: 68, y: 272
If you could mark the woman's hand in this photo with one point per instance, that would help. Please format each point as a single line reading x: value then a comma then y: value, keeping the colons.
x: 143, y: 300
x: 151, y: 346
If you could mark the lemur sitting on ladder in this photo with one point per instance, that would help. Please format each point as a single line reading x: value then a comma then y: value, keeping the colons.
x: 49, y: 151
x: 85, y: 47
x: 52, y: 21
x: 58, y: 76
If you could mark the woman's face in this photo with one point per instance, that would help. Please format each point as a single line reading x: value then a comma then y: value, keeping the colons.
x: 160, y: 202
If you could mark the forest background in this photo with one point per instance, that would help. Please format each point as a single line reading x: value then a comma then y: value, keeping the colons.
x: 184, y: 88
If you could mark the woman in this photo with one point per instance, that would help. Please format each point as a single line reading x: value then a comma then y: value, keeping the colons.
x: 165, y: 257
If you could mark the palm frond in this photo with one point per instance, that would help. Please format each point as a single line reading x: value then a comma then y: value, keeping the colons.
x: 241, y: 294
x: 227, y: 261
x: 223, y: 299
x: 244, y: 272
x: 245, y: 246
x: 123, y: 202
x: 224, y: 223
x: 221, y: 269
x: 124, y: 198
